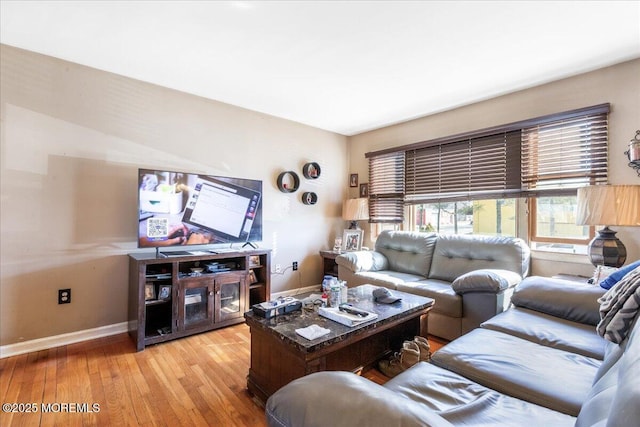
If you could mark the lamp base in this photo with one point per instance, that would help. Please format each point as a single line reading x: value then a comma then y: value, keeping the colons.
x: 606, y: 249
x: 354, y: 225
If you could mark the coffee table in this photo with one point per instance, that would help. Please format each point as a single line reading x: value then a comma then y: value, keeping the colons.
x: 279, y: 355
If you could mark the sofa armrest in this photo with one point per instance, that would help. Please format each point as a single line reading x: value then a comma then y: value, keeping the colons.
x: 336, y: 398
x: 486, y: 280
x: 363, y: 261
x: 569, y: 300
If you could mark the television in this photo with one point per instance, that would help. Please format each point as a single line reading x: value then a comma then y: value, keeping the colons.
x: 180, y: 209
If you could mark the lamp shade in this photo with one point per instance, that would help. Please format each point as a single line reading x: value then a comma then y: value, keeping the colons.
x: 609, y: 205
x: 355, y: 209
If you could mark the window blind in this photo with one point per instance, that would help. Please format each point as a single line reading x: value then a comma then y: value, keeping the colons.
x: 487, y: 167
x: 560, y: 156
x: 386, y: 187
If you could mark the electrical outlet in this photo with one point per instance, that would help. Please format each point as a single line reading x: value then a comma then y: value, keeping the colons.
x: 295, y: 265
x: 64, y: 296
x: 278, y: 268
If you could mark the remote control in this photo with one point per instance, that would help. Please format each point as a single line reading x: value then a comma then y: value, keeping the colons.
x: 352, y: 310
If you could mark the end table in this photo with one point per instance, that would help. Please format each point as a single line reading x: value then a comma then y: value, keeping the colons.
x: 329, y: 266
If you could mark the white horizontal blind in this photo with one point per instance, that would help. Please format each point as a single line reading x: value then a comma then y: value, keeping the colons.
x: 476, y: 168
x: 560, y: 156
x: 386, y: 187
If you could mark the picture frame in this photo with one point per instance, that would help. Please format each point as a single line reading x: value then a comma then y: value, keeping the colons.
x: 254, y: 261
x: 364, y: 189
x: 149, y: 291
x: 353, y: 180
x: 252, y: 277
x: 352, y: 240
x: 164, y: 292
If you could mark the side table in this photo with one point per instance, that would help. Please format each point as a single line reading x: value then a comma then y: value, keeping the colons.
x: 329, y: 266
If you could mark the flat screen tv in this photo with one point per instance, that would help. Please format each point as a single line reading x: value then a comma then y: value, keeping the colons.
x: 178, y: 209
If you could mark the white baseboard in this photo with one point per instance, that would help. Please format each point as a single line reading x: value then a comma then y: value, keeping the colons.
x: 63, y: 339
x: 314, y: 288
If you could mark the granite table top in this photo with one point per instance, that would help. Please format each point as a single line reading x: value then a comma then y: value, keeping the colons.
x: 284, y: 326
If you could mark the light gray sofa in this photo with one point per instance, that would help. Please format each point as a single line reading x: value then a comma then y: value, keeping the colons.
x: 471, y: 278
x: 540, y: 363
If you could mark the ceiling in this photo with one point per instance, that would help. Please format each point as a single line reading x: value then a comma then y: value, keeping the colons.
x: 342, y: 66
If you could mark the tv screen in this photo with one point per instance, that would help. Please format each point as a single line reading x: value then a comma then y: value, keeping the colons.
x: 177, y: 208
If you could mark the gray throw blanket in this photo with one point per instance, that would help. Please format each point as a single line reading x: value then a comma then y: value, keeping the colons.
x: 619, y: 306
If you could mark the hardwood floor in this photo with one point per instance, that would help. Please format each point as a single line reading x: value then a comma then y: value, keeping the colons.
x: 195, y: 381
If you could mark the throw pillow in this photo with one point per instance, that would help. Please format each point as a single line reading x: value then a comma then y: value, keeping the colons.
x: 618, y: 275
x: 485, y: 280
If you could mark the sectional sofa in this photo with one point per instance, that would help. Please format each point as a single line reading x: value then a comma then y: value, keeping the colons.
x: 540, y: 363
x: 471, y: 278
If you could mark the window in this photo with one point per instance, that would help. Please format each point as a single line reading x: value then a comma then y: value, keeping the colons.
x: 553, y: 225
x: 557, y: 158
x: 386, y: 187
x: 472, y: 182
x: 488, y: 217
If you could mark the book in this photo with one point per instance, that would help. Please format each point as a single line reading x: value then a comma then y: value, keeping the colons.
x: 347, y: 319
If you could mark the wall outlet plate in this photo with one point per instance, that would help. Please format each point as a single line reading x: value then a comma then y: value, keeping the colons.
x: 64, y: 296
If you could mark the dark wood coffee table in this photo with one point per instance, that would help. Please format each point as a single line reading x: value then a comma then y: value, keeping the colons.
x: 279, y: 355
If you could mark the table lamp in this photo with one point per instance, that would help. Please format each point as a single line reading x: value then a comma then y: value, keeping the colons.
x: 355, y: 210
x: 608, y: 205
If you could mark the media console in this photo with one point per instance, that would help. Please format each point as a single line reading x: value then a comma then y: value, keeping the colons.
x: 176, y: 296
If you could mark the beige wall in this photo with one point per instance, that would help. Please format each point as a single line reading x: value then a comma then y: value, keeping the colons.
x: 72, y: 141
x: 618, y: 85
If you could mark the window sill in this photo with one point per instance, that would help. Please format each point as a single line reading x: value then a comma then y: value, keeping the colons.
x: 547, y: 255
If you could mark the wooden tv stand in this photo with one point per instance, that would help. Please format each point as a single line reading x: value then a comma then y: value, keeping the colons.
x: 170, y: 298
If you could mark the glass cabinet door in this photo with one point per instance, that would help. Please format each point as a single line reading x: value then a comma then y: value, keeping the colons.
x: 197, y: 310
x: 230, y: 298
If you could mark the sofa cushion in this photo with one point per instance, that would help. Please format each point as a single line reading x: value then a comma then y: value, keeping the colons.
x: 548, y: 330
x: 388, y: 279
x: 455, y: 255
x: 561, y: 298
x: 407, y: 252
x: 320, y: 399
x: 485, y: 280
x: 447, y: 301
x: 613, y: 399
x: 546, y: 376
x: 464, y: 402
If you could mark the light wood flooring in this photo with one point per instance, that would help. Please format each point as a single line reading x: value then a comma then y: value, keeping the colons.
x: 194, y: 381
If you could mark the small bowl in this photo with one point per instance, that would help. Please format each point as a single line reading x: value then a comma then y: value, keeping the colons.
x: 197, y: 270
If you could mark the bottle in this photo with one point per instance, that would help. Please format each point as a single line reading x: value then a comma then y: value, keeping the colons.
x: 344, y: 296
x: 326, y: 283
x: 325, y: 299
x: 334, y: 297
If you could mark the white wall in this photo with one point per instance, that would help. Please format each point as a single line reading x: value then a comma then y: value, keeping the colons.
x: 72, y: 141
x: 618, y: 85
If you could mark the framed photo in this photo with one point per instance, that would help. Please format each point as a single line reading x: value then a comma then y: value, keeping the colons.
x: 149, y: 291
x: 164, y: 292
x: 353, y: 180
x: 254, y: 261
x: 364, y: 190
x: 352, y: 240
x: 252, y: 277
